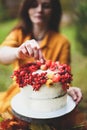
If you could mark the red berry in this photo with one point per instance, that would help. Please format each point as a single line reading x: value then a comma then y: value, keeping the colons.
x: 56, y: 78
x: 48, y: 63
x: 43, y: 67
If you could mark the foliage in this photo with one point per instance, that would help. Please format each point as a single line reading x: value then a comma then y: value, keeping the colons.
x: 4, y: 14
x: 9, y: 9
x: 66, y: 5
x: 5, y: 71
x: 5, y: 28
x: 81, y: 26
x: 2, y: 11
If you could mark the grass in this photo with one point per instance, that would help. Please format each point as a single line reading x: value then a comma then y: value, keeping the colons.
x: 5, y: 71
x: 5, y: 28
x: 79, y: 62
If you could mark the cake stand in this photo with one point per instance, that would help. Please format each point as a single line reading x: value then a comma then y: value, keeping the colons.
x: 20, y: 110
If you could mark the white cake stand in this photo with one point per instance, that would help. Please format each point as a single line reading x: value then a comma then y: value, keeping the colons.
x: 21, y: 111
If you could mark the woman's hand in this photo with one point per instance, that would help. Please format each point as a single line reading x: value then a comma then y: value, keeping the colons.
x: 30, y: 48
x: 75, y: 93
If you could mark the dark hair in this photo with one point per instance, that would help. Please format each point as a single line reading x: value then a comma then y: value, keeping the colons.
x: 26, y: 24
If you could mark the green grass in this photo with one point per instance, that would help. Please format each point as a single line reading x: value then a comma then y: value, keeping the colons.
x: 5, y: 71
x: 5, y: 77
x: 5, y: 28
x: 79, y: 62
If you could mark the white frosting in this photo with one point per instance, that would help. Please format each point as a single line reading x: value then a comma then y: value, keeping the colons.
x: 44, y: 92
x: 45, y: 106
x: 46, y: 99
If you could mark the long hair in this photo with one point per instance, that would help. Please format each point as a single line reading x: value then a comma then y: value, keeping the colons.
x: 26, y: 24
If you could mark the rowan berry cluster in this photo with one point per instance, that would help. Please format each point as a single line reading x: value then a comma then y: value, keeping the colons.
x: 65, y: 75
x: 61, y: 73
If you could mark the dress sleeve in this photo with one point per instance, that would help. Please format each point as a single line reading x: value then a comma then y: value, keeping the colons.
x: 65, y: 54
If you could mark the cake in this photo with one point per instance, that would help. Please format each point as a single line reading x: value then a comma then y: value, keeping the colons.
x: 43, y: 86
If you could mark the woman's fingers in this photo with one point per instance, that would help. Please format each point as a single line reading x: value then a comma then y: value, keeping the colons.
x: 30, y: 48
x: 75, y: 93
x: 36, y: 53
x: 41, y: 58
x: 32, y: 43
x: 78, y: 95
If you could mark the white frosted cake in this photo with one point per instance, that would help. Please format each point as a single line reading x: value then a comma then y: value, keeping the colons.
x: 44, y: 86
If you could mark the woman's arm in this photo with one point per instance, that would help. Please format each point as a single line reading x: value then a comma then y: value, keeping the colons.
x: 7, y: 54
x: 27, y: 49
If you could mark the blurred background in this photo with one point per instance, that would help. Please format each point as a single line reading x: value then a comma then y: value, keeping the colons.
x: 73, y: 26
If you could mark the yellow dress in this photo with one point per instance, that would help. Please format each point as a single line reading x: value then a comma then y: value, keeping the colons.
x: 54, y: 46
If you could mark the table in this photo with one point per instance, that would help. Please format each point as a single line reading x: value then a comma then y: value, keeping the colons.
x: 75, y: 120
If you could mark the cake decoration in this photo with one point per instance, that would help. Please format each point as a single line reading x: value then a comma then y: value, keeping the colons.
x: 51, y: 72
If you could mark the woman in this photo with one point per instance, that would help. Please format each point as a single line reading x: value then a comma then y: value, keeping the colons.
x: 39, y: 20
